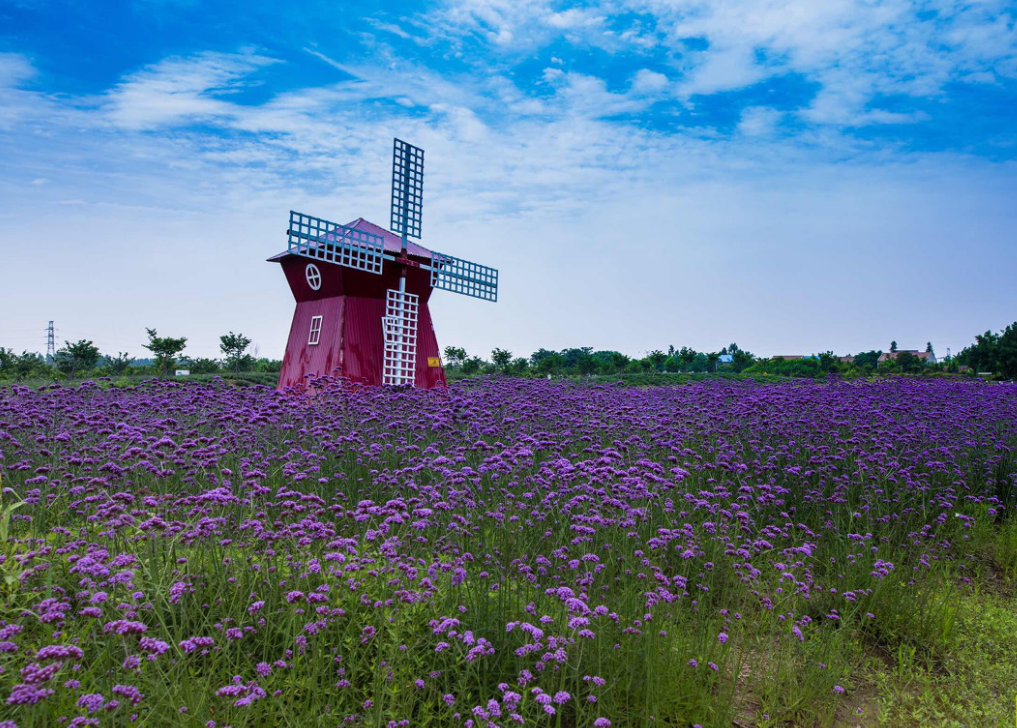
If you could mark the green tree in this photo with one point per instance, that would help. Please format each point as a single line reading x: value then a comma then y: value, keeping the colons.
x: 619, y: 361
x: 519, y: 366
x: 165, y: 350
x: 908, y: 362
x: 26, y: 365
x: 657, y: 359
x: 828, y: 362
x: 455, y: 356
x: 117, y: 365
x: 1007, y: 352
x: 501, y: 358
x: 712, y: 360
x: 893, y: 347
x: 201, y: 365
x: 983, y: 356
x: 686, y: 356
x: 76, y: 358
x: 233, y: 347
x: 472, y: 365
x: 700, y: 362
x: 928, y: 349
x: 571, y: 357
x: 271, y: 366
x: 996, y: 353
x: 867, y: 360
x: 587, y: 364
x: 540, y: 355
x: 741, y: 359
x: 552, y: 363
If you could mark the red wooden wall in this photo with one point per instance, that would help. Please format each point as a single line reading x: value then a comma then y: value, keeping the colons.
x: 351, y: 304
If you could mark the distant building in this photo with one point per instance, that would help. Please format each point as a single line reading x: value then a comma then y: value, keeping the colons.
x: 794, y: 357
x: 927, y: 357
x: 847, y: 359
x: 725, y: 359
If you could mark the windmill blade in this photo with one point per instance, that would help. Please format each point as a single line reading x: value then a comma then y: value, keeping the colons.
x: 407, y: 188
x: 462, y: 276
x: 331, y: 242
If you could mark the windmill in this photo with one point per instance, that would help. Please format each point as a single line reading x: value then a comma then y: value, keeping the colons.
x: 362, y: 291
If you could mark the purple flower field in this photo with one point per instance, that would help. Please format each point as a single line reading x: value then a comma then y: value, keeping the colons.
x: 507, y: 552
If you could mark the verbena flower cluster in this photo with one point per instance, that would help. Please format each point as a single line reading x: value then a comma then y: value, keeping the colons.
x: 500, y: 553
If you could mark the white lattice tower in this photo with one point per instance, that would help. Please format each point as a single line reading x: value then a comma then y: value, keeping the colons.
x: 400, y: 326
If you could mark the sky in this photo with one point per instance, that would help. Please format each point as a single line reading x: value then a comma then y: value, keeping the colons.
x: 791, y: 175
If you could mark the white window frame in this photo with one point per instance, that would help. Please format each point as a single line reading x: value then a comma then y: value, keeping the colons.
x: 314, y: 337
x: 313, y: 274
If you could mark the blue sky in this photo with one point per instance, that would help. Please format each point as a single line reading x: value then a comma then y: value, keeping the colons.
x: 792, y: 175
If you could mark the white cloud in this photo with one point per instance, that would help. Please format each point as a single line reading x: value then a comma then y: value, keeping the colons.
x: 392, y: 28
x: 649, y: 82
x: 759, y: 121
x: 180, y: 90
x: 14, y: 69
x: 575, y: 19
x: 521, y: 25
x: 855, y: 49
x: 17, y: 104
x: 723, y: 70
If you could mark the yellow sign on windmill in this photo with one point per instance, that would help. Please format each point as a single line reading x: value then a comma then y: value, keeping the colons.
x: 433, y: 361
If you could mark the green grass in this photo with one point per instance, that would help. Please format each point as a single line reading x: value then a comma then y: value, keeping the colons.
x: 967, y: 678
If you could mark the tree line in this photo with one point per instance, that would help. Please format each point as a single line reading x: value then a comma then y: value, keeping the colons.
x: 82, y: 358
x: 996, y: 353
x: 993, y: 353
x: 585, y: 361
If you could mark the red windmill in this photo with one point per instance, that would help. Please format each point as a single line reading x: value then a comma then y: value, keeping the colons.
x: 359, y: 317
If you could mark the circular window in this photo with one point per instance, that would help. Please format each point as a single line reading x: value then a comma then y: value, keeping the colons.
x: 313, y: 276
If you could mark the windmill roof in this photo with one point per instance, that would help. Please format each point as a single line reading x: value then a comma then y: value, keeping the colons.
x: 393, y: 243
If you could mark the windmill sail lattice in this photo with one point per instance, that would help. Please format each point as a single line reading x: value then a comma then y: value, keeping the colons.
x: 462, y: 276
x: 331, y: 242
x: 407, y: 188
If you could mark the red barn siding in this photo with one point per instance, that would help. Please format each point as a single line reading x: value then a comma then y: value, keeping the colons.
x: 324, y: 358
x: 427, y: 346
x: 364, y: 346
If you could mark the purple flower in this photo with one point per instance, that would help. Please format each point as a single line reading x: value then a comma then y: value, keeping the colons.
x: 92, y: 702
x: 153, y: 646
x: 129, y: 692
x: 124, y: 626
x: 60, y: 653
x: 27, y: 694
